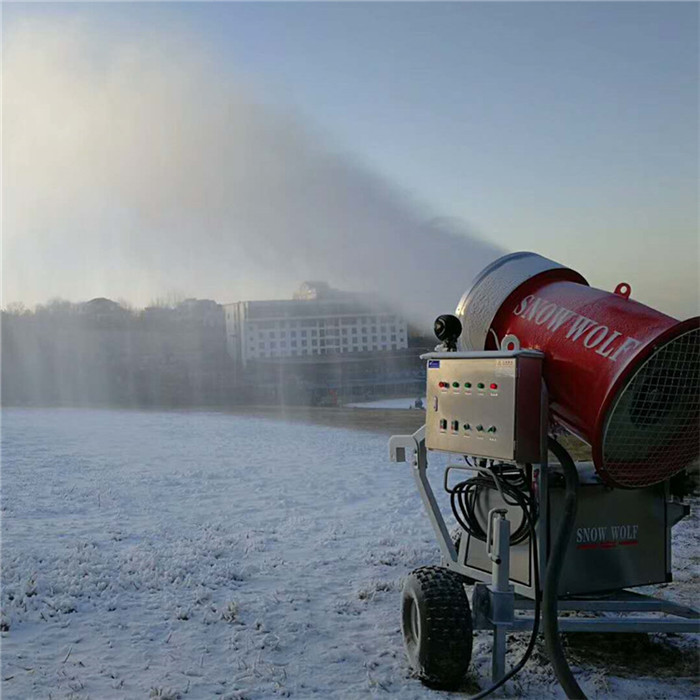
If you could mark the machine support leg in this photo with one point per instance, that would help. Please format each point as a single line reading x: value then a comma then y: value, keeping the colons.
x: 498, y: 654
x: 501, y: 594
x: 420, y: 464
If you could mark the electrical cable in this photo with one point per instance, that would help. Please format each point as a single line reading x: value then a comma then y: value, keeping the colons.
x: 557, y: 554
x: 513, y: 489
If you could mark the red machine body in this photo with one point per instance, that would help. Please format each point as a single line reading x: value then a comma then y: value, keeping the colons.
x: 620, y: 375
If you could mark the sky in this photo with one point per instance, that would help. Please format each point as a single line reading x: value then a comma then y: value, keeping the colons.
x: 407, y: 143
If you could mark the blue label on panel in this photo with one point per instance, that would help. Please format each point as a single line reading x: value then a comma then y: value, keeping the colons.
x: 433, y: 364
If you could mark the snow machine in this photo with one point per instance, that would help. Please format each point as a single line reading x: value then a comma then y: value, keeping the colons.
x: 534, y: 352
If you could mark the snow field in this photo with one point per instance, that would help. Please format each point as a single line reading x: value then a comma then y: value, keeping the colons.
x: 200, y: 555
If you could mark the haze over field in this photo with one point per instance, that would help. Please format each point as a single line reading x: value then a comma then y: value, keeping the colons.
x: 144, y: 172
x: 231, y: 150
x: 197, y: 501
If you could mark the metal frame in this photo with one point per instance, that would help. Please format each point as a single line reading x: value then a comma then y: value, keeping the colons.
x: 502, y: 606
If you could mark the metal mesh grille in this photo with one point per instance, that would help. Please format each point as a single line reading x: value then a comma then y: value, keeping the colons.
x: 653, y: 429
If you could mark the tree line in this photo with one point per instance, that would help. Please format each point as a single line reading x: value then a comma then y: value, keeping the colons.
x: 106, y: 353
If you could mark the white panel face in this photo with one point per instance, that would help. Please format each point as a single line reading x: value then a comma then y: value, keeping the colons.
x: 471, y: 406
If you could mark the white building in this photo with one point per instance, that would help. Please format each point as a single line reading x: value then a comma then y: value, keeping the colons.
x: 318, y: 321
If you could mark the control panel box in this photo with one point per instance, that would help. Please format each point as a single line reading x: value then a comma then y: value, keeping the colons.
x: 485, y: 404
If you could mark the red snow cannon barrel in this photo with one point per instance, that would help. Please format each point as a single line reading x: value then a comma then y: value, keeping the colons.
x: 623, y: 377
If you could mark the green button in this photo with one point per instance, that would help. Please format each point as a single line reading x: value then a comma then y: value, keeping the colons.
x: 479, y: 427
x: 467, y: 426
x: 455, y: 385
x: 468, y: 385
x: 480, y: 385
x: 492, y: 429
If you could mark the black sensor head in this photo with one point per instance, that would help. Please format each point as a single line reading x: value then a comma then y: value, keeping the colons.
x: 447, y: 329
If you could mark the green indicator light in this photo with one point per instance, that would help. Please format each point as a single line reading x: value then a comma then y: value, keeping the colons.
x: 455, y: 385
x: 479, y: 427
x: 480, y: 385
x: 492, y: 429
x: 467, y: 426
x: 468, y: 385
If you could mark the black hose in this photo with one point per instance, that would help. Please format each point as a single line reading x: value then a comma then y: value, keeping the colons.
x: 550, y: 623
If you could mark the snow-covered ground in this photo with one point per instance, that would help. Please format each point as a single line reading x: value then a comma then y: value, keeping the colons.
x: 387, y: 403
x: 197, y: 555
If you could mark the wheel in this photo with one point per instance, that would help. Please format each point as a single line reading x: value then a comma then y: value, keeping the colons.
x: 436, y: 622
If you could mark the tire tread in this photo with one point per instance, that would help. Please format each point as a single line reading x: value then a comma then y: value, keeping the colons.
x: 446, y: 645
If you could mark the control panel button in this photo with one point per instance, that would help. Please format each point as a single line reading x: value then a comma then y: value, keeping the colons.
x: 443, y: 424
x: 492, y: 429
x: 467, y: 385
x: 479, y: 427
x: 493, y: 386
x: 480, y: 385
x: 455, y: 385
x: 466, y: 426
x: 455, y: 425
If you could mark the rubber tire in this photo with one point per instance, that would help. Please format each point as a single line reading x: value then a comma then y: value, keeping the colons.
x: 436, y: 623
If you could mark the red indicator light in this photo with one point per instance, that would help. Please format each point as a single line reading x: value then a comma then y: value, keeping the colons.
x: 494, y: 386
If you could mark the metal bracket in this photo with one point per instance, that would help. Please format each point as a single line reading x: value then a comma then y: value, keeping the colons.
x: 399, y: 448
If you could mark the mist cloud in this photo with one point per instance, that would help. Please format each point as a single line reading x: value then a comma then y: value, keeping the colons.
x: 131, y: 170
